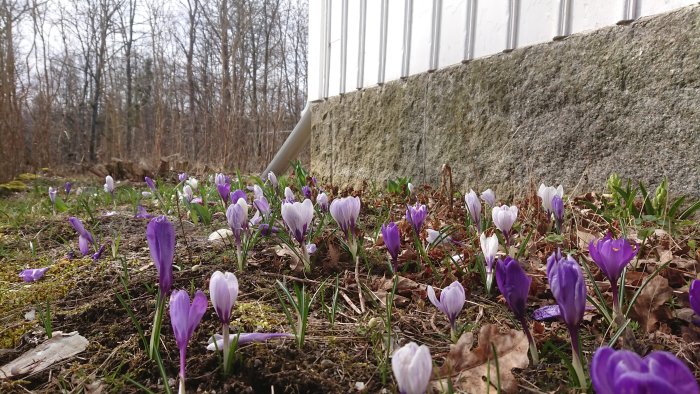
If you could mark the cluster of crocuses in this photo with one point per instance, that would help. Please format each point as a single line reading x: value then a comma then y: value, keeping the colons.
x: 185, y: 315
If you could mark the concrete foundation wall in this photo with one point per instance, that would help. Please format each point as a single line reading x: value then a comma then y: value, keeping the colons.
x: 623, y: 99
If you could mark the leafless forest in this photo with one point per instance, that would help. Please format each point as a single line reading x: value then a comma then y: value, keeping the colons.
x: 84, y: 81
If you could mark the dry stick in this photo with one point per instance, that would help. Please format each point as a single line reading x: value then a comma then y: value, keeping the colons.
x: 359, y: 284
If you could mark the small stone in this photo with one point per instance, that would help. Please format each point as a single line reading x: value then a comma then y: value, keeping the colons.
x: 327, y: 364
x: 359, y: 386
x: 257, y: 363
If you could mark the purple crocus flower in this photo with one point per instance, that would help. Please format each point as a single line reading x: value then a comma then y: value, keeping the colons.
x: 219, y: 179
x: 504, y: 217
x: 224, y: 190
x: 489, y: 246
x: 262, y: 206
x: 569, y: 289
x: 151, y: 184
x: 52, y: 195
x: 288, y: 195
x: 322, y: 202
x: 185, y: 317
x: 694, y: 298
x: 558, y: 210
x: 392, y: 241
x: 611, y: 256
x: 413, y: 367
x: 32, y: 274
x: 272, y: 178
x: 306, y: 191
x: 622, y: 371
x: 188, y: 193
x: 266, y: 230
x: 223, y: 291
x: 182, y: 176
x: 237, y: 194
x: 298, y: 216
x: 345, y: 211
x: 109, y: 184
x: 514, y: 284
x: 237, y: 217
x: 474, y: 208
x: 311, y: 248
x: 141, y: 213
x: 546, y: 193
x: 489, y: 196
x: 415, y: 215
x: 160, y: 234
x: 258, y: 192
x: 97, y: 255
x: 451, y: 301
x: 84, y: 237
x: 67, y: 186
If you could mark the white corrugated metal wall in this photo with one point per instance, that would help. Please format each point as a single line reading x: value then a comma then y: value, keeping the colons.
x: 354, y: 44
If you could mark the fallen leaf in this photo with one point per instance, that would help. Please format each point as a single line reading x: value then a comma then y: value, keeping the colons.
x: 584, y: 239
x: 648, y: 309
x: 60, y: 347
x: 219, y: 237
x: 283, y: 251
x: 469, y: 367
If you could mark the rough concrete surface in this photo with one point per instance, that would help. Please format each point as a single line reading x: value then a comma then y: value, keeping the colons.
x: 622, y: 99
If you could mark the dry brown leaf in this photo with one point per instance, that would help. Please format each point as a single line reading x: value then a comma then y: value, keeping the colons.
x: 60, y: 347
x: 285, y: 251
x: 584, y: 239
x: 469, y: 368
x: 648, y: 307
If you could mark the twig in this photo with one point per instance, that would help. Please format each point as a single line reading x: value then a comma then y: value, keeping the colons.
x: 349, y: 301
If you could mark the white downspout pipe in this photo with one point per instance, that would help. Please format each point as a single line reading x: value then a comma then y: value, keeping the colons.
x: 293, y: 145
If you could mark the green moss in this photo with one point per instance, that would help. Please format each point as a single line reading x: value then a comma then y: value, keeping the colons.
x: 254, y: 315
x: 12, y: 187
x: 27, y: 176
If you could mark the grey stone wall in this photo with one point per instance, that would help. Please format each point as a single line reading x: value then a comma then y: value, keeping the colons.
x: 623, y: 99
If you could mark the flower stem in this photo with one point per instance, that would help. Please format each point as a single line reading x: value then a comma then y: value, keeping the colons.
x: 352, y: 245
x: 533, y: 345
x: 306, y: 258
x: 157, y: 322
x: 616, y: 300
x: 226, y: 349
x: 239, y: 257
x: 576, y: 358
x: 183, y: 357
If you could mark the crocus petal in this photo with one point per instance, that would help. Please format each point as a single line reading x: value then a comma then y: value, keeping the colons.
x: 298, y: 216
x: 392, y: 239
x: 223, y: 290
x: 345, y: 212
x: 160, y: 235
x: 179, y: 317
x: 514, y: 284
x: 569, y: 289
x: 694, y: 296
x: 244, y: 338
x: 84, y: 245
x: 489, y: 196
x: 32, y: 274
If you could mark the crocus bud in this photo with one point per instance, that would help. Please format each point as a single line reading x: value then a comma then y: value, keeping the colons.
x: 409, y: 186
x: 141, y: 213
x: 451, y: 301
x: 489, y: 246
x: 223, y: 291
x: 262, y: 206
x: 611, y: 256
x: 151, y: 184
x: 258, y: 192
x: 310, y: 248
x: 272, y: 178
x: 546, y: 193
x: 474, y: 208
x: 220, y: 179
x: 392, y: 241
x: 504, y: 217
x: 160, y: 235
x: 67, y: 186
x: 146, y: 194
x: 238, y: 194
x: 109, y: 184
x: 558, y: 210
x: 184, y: 318
x: 288, y: 195
x: 568, y: 287
x: 84, y: 237
x: 514, y: 284
x: 32, y: 275
x: 694, y: 298
x: 182, y: 176
x: 298, y: 216
x: 306, y: 191
x: 345, y: 211
x: 322, y: 202
x: 622, y: 371
x: 224, y: 190
x: 193, y: 182
x: 489, y: 196
x: 237, y: 217
x: 413, y: 367
x: 188, y: 193
x: 415, y: 216
x: 52, y: 194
